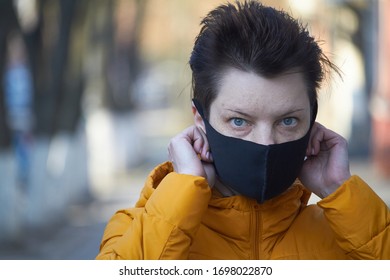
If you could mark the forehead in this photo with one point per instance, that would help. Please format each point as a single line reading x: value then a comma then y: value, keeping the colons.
x: 252, y: 92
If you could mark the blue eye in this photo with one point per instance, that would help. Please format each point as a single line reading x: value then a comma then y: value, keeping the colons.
x: 238, y: 122
x: 289, y: 121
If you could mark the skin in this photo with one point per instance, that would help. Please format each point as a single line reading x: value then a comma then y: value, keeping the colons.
x: 265, y: 111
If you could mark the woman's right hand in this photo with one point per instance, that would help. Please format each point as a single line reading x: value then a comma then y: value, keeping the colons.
x: 189, y: 153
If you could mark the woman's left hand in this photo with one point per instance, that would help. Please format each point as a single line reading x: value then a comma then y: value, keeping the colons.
x: 327, y: 165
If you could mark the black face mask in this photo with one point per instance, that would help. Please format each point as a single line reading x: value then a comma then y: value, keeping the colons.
x: 254, y: 170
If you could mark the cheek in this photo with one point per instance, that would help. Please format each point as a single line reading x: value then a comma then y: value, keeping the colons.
x: 287, y: 135
x: 282, y: 137
x: 224, y: 126
x: 218, y: 124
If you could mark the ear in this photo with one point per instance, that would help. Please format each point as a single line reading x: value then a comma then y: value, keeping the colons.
x: 198, y: 120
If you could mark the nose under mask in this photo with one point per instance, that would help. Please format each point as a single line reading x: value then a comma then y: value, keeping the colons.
x: 255, y: 170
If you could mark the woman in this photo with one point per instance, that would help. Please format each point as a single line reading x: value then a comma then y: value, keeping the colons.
x: 238, y: 180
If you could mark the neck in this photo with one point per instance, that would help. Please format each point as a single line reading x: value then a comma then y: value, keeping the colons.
x: 224, y: 190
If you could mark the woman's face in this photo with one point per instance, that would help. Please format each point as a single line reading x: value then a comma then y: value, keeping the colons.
x: 261, y: 110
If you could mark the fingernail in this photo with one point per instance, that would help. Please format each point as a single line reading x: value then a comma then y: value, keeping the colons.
x: 312, y: 151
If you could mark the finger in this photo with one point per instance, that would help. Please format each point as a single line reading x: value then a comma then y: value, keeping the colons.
x: 183, y: 143
x: 182, y: 154
x: 323, y: 139
x: 309, y: 149
x: 316, y: 138
x: 205, y: 153
x: 197, y: 140
x: 193, y: 136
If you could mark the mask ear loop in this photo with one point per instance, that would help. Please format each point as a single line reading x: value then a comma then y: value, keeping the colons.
x: 198, y: 107
x: 313, y: 118
x: 314, y: 114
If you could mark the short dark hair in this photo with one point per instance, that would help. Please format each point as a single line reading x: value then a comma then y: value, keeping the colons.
x: 254, y: 38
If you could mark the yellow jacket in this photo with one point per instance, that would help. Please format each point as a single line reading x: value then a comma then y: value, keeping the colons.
x: 178, y: 217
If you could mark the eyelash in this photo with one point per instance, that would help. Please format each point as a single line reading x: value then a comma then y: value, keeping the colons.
x: 246, y: 123
x: 295, y: 120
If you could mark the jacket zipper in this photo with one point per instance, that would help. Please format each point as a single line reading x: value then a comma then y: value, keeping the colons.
x: 256, y: 232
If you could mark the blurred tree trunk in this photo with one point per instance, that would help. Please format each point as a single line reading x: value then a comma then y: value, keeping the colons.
x: 8, y: 24
x: 69, y: 39
x: 125, y: 63
x: 57, y: 86
x: 48, y: 48
x: 56, y: 50
x: 69, y: 110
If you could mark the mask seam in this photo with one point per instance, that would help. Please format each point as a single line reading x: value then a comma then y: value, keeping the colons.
x: 265, y: 176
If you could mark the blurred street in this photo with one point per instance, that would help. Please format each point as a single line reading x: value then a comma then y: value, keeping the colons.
x: 92, y: 91
x: 78, y: 237
x: 76, y: 231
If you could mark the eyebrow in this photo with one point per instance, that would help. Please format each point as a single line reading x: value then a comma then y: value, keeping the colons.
x: 292, y: 112
x: 282, y: 115
x: 239, y: 112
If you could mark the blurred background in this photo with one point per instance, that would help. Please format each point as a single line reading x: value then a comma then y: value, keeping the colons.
x: 91, y: 91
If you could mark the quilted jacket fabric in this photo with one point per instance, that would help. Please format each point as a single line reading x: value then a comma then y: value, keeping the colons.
x: 179, y: 217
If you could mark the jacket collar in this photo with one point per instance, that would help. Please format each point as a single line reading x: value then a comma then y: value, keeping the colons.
x: 296, y: 195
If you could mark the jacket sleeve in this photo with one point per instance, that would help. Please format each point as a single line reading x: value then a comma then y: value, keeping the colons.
x: 360, y: 220
x: 164, y: 228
